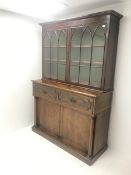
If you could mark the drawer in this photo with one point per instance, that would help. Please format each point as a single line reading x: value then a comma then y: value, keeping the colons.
x: 78, y: 101
x: 45, y: 92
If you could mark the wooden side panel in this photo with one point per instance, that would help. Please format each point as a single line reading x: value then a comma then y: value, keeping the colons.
x: 47, y: 115
x: 101, y: 131
x: 103, y: 102
x: 109, y: 68
x: 75, y: 129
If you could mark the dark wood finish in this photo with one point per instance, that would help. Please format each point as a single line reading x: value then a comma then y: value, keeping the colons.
x: 108, y: 12
x: 101, y: 130
x: 75, y: 114
x: 75, y: 129
x: 49, y: 122
x: 108, y: 18
x: 75, y: 118
x: 109, y: 68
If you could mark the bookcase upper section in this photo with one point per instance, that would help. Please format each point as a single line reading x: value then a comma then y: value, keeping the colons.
x: 82, y: 50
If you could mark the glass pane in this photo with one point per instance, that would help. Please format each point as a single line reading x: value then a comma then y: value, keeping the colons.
x: 99, y: 36
x: 47, y: 69
x: 84, y: 75
x: 97, y: 54
x: 86, y: 39
x: 75, y: 45
x: 75, y: 54
x: 54, y: 70
x: 46, y: 40
x: 62, y: 39
x: 74, y: 73
x: 62, y: 54
x: 95, y: 77
x: 61, y: 71
x: 76, y: 38
x: 54, y: 39
x: 46, y: 53
x: 85, y: 54
x: 54, y: 53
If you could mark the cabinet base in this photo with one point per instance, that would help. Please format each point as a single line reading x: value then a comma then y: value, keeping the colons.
x: 88, y: 160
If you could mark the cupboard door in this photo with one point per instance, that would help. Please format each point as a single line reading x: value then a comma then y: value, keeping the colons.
x: 81, y: 41
x: 47, y: 115
x: 87, y: 49
x: 97, y: 60
x: 54, y: 54
x: 75, y: 129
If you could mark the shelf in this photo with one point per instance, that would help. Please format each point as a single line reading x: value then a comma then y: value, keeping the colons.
x: 88, y: 66
x: 86, y: 46
x: 77, y: 62
x: 55, y: 60
x: 88, y: 62
x: 55, y: 46
x: 75, y: 46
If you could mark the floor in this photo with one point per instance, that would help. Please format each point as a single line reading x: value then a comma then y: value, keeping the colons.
x: 26, y: 153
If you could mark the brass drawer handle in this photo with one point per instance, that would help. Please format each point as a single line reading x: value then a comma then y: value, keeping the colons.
x: 73, y: 100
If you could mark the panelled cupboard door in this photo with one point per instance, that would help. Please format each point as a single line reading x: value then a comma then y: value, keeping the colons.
x: 75, y: 129
x: 54, y: 54
x: 47, y: 114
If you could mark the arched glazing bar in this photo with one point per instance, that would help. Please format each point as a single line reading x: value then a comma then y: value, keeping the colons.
x: 46, y: 55
x: 85, y: 56
x: 61, y: 63
x: 53, y: 54
x: 97, y: 56
x: 75, y: 54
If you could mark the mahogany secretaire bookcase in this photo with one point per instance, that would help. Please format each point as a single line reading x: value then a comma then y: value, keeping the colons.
x: 73, y: 98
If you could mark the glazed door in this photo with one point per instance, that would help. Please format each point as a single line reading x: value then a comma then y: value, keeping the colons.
x: 87, y: 48
x: 54, y: 54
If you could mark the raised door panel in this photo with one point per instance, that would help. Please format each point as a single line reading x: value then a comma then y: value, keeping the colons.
x: 75, y: 129
x: 47, y: 116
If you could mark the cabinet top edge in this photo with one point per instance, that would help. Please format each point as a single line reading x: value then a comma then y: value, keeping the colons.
x: 108, y: 12
x: 71, y: 88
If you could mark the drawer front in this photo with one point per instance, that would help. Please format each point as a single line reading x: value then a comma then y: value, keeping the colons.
x: 45, y: 92
x: 78, y: 101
